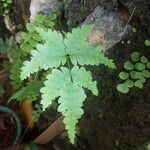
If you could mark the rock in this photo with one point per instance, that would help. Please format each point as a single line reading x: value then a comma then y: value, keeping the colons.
x: 21, y: 11
x: 18, y: 37
x: 109, y: 30
x: 9, y: 24
x: 18, y: 16
x: 44, y: 6
x: 77, y: 10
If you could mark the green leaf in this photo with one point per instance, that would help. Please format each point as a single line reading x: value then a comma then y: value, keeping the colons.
x: 16, y: 55
x: 142, y: 79
x: 129, y: 83
x: 30, y: 27
x: 6, y: 12
x: 123, y: 88
x: 49, y: 23
x: 26, y: 47
x: 29, y: 68
x: 26, y: 36
x: 46, y: 56
x: 148, y: 147
x: 83, y: 78
x: 140, y: 66
x: 144, y: 60
x: 134, y: 30
x: 139, y: 84
x: 9, y: 1
x: 5, y: 5
x: 148, y: 65
x: 147, y: 42
x: 128, y: 65
x: 123, y: 75
x: 70, y: 106
x: 33, y: 43
x: 135, y: 74
x: 54, y: 82
x: 146, y: 73
x: 53, y: 54
x: 135, y: 56
x: 69, y: 86
x: 37, y: 37
x: 80, y: 50
x: 39, y: 18
x: 31, y: 90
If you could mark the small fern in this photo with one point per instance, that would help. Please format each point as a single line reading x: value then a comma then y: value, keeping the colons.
x: 16, y: 56
x: 31, y: 37
x: 29, y: 41
x: 30, y: 91
x: 66, y: 83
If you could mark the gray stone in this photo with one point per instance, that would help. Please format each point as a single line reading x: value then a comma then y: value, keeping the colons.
x: 109, y: 30
x: 77, y: 10
x: 44, y: 6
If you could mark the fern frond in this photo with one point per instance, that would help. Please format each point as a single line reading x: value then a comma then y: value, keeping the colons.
x: 31, y: 38
x: 105, y: 60
x: 29, y: 68
x: 54, y: 82
x: 30, y: 91
x: 71, y: 101
x: 81, y: 51
x: 83, y: 78
x: 15, y: 55
x: 65, y: 83
x: 44, y: 57
x: 53, y: 38
x: 68, y: 84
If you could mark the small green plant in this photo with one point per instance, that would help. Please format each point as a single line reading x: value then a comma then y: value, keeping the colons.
x: 29, y: 88
x: 66, y: 54
x: 134, y: 30
x: 29, y: 41
x: 148, y: 147
x: 147, y: 42
x: 31, y: 38
x: 16, y: 56
x: 37, y: 112
x: 6, y: 7
x: 136, y: 72
x: 30, y: 91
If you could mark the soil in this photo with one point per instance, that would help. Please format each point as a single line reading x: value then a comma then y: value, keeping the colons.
x: 7, y: 130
